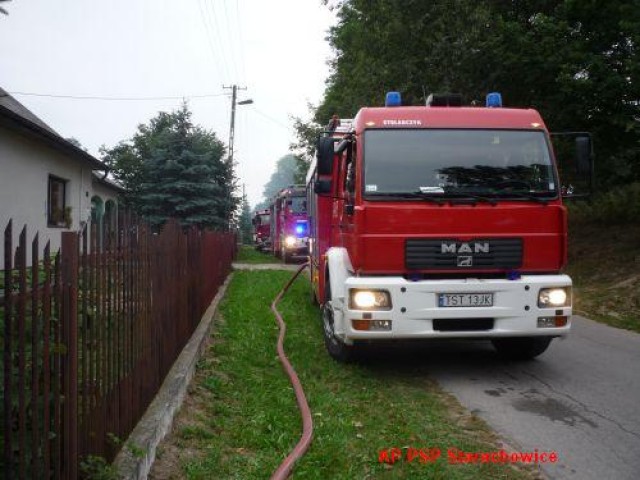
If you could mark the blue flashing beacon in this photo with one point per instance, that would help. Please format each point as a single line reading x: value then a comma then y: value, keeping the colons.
x: 393, y: 99
x: 494, y: 100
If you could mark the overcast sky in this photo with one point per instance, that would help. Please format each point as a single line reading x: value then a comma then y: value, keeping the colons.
x: 158, y: 48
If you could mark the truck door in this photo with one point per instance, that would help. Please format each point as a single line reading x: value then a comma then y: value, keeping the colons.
x: 347, y: 190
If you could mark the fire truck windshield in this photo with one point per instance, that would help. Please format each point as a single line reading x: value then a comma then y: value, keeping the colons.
x: 264, y: 219
x: 298, y: 205
x: 447, y: 162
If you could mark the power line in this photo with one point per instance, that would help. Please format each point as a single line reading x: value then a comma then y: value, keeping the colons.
x: 100, y: 97
x: 230, y: 36
x: 211, y: 23
x: 270, y: 118
x: 216, y: 58
x: 217, y: 30
x: 241, y: 41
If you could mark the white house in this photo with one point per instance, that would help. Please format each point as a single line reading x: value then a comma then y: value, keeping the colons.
x: 46, y: 182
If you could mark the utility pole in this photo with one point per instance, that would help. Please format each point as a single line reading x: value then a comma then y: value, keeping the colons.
x: 234, y: 100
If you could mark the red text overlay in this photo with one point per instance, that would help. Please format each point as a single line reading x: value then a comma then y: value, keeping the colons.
x: 454, y: 455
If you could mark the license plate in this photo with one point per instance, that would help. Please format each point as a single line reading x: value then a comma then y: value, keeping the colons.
x: 465, y: 300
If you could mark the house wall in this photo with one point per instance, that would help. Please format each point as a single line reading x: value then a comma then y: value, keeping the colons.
x: 104, y: 192
x: 25, y: 166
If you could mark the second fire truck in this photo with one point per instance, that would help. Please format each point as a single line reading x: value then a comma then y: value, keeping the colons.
x: 289, y: 226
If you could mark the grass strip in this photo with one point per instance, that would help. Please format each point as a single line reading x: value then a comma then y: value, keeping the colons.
x: 240, y: 419
x: 248, y: 254
x: 604, y: 263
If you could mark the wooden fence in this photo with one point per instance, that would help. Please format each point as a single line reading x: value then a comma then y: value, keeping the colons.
x: 90, y: 332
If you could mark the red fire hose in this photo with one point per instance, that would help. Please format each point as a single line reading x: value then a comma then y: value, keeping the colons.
x: 283, y: 471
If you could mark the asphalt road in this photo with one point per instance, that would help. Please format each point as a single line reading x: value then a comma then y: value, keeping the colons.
x: 581, y: 398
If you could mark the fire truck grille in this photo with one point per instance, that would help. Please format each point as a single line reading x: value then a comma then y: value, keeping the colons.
x: 449, y: 254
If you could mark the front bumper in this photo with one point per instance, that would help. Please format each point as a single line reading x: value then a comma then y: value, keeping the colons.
x: 300, y: 247
x: 514, y: 313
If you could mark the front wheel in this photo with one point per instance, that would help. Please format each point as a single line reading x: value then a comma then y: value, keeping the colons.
x: 338, y: 350
x: 521, y: 348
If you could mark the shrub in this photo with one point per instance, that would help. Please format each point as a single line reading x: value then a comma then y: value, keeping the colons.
x: 618, y: 206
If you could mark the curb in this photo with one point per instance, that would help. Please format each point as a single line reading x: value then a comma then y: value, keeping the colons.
x: 157, y: 420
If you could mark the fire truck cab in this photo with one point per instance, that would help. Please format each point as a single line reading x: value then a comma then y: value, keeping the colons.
x: 262, y: 230
x: 440, y: 221
x: 289, y: 226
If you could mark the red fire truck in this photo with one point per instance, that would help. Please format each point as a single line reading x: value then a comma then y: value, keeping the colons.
x: 262, y: 230
x: 289, y: 226
x: 440, y: 221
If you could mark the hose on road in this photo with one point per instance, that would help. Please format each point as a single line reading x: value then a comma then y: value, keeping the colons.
x: 283, y: 471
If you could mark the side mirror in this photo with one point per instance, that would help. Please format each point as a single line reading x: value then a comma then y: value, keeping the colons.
x: 342, y: 146
x: 322, y: 187
x: 583, y: 155
x: 574, y: 158
x: 324, y: 154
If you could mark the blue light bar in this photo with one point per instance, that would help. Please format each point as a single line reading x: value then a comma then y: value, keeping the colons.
x: 393, y: 99
x: 494, y: 100
x: 301, y: 229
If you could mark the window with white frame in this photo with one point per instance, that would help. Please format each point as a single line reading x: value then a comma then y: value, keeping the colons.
x: 57, y: 215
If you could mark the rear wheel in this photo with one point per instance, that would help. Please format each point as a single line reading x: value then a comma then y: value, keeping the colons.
x: 521, y: 348
x: 338, y: 350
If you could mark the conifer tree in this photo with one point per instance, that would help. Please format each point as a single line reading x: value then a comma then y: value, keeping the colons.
x: 174, y: 169
x: 246, y: 227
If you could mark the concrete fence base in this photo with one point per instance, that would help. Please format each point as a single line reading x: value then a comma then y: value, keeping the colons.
x: 157, y: 420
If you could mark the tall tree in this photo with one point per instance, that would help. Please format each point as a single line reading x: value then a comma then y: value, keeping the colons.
x: 2, y: 9
x: 575, y: 61
x: 246, y: 227
x: 304, y: 147
x: 174, y: 169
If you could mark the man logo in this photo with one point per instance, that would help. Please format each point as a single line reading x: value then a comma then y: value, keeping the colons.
x: 453, y: 247
x: 465, y: 261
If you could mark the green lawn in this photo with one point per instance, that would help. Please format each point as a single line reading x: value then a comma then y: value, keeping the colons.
x: 240, y: 418
x: 604, y: 263
x: 247, y: 254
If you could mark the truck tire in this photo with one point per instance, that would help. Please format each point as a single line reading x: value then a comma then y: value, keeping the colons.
x: 521, y: 348
x: 286, y: 257
x: 337, y: 349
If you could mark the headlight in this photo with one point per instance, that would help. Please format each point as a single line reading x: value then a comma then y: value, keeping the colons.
x: 554, y: 297
x: 369, y: 299
x: 290, y: 241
